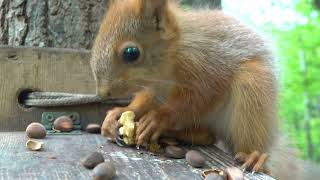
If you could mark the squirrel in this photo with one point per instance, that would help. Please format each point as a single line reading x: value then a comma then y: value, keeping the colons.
x: 197, y: 75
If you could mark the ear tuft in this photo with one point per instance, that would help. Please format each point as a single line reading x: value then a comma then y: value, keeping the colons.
x: 155, y: 9
x: 110, y: 3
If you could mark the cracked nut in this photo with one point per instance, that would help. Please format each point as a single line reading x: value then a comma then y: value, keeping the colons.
x: 126, y: 129
x: 34, y: 145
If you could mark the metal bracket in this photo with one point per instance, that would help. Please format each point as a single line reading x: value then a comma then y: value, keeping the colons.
x: 48, y: 118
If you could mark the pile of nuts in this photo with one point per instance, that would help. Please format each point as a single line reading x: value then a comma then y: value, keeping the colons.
x: 36, y: 130
x: 101, y: 169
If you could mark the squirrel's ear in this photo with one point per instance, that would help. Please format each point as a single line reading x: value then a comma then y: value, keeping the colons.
x: 109, y: 3
x: 157, y: 10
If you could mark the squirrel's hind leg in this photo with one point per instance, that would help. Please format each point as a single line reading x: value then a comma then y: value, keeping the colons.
x: 253, y: 121
x: 194, y: 136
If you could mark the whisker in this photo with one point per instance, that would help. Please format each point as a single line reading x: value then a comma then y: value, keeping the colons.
x: 161, y: 81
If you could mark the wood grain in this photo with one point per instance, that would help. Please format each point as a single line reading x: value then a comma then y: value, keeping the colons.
x: 16, y: 162
x: 44, y: 69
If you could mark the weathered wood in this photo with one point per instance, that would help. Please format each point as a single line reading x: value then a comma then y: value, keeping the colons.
x: 54, y: 70
x: 16, y: 162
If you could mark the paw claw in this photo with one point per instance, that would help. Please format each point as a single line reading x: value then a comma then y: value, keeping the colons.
x: 254, y: 161
x: 243, y: 169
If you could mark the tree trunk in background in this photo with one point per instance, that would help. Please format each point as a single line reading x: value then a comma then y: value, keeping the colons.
x: 308, y: 105
x: 57, y: 23
x: 50, y: 23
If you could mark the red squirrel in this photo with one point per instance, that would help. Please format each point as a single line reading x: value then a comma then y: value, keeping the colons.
x: 199, y: 76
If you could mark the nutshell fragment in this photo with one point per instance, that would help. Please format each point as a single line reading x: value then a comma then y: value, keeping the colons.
x: 34, y: 145
x: 234, y: 173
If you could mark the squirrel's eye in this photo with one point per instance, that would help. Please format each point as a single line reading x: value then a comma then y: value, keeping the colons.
x: 131, y: 54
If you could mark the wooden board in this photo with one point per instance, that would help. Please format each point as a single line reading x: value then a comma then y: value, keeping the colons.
x: 44, y: 69
x: 16, y: 162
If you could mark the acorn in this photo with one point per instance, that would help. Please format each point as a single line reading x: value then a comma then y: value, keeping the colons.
x: 63, y: 124
x: 36, y: 130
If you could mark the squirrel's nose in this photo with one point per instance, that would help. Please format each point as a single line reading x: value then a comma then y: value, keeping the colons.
x: 104, y: 92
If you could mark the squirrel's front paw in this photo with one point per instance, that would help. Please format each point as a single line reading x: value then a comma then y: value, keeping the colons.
x: 254, y: 161
x: 150, y: 128
x: 111, y: 123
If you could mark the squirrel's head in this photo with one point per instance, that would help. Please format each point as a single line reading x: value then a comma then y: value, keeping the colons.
x: 132, y: 49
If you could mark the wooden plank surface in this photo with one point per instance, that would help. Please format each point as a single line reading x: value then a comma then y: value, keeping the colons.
x: 16, y: 162
x: 44, y: 69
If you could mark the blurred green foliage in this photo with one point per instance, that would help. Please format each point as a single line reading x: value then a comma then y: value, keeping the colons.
x: 299, y: 48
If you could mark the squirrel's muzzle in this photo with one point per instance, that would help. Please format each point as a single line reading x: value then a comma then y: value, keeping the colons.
x: 103, y: 92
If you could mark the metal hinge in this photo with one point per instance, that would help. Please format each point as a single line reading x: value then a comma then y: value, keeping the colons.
x: 48, y: 118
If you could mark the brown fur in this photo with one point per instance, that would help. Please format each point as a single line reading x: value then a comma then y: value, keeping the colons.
x: 200, y: 73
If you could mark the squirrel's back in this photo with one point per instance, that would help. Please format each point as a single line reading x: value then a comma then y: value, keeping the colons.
x: 219, y: 36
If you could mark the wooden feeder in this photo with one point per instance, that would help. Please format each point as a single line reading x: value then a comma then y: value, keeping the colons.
x: 26, y: 70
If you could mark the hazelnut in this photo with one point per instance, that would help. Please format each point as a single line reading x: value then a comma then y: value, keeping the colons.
x: 36, y: 130
x: 104, y: 171
x: 195, y: 159
x: 92, y: 160
x: 63, y: 124
x: 93, y: 128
